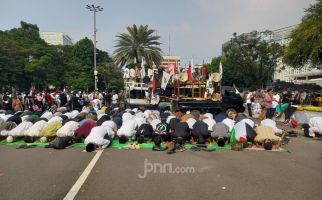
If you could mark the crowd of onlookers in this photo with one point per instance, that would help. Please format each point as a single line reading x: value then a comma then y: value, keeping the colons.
x: 41, y: 101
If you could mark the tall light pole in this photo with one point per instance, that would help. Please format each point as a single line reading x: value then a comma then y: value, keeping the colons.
x: 94, y: 9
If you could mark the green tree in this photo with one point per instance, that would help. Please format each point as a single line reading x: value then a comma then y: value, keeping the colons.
x: 306, y: 39
x: 249, y: 60
x: 12, y: 58
x: 137, y: 43
x: 111, y: 76
x: 26, y: 59
x: 213, y: 66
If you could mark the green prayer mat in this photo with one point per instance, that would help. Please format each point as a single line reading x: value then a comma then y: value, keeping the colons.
x: 116, y: 144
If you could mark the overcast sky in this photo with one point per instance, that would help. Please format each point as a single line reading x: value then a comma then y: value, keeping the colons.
x: 197, y: 28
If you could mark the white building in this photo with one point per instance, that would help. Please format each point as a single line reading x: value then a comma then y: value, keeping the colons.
x: 168, y: 60
x: 56, y: 38
x: 283, y: 72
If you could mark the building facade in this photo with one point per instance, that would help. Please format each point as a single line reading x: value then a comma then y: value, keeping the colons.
x: 168, y: 60
x: 283, y: 72
x: 56, y: 38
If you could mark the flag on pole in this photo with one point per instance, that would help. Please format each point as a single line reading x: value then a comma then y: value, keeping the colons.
x: 153, y: 86
x: 174, y: 69
x: 192, y: 67
x: 142, y: 67
x: 203, y: 72
x: 165, y: 79
x: 220, y: 70
x: 189, y: 73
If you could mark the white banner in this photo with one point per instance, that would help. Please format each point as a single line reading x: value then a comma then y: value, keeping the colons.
x: 165, y: 79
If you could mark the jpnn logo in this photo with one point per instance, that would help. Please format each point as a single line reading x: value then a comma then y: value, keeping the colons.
x: 163, y: 169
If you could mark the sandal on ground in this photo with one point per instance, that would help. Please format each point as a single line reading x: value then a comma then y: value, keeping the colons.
x: 195, y: 148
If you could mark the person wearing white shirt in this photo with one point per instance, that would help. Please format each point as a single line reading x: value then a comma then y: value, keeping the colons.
x: 314, y: 127
x: 98, y: 136
x: 127, y: 116
x: 34, y: 132
x: 68, y: 129
x: 271, y: 123
x: 47, y: 115
x: 249, y: 101
x: 276, y: 100
x: 36, y: 128
x: 20, y: 129
x: 111, y: 128
x: 128, y: 129
x: 244, y: 131
x: 55, y: 118
x: 139, y: 120
x: 115, y: 97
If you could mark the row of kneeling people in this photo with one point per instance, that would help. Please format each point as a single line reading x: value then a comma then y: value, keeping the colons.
x: 99, y: 129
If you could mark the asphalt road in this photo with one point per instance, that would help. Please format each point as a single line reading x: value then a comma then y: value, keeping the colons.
x: 49, y: 174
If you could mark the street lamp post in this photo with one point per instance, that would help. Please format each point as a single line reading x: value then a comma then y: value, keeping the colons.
x: 94, y: 9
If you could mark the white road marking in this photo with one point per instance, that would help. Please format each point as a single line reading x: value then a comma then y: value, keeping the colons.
x: 76, y: 187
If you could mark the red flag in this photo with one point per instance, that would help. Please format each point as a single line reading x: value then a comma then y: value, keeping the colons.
x: 174, y: 69
x: 204, y: 71
x: 153, y: 85
x: 189, y: 73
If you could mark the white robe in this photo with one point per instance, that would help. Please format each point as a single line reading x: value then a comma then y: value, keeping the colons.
x: 20, y: 129
x: 68, y: 129
x: 96, y: 136
x: 36, y: 129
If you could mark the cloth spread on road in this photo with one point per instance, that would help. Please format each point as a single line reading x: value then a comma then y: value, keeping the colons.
x: 116, y: 144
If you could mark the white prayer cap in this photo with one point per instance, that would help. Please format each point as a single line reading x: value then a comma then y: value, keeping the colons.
x: 10, y: 139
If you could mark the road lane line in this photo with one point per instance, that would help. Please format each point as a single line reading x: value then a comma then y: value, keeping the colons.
x: 76, y: 187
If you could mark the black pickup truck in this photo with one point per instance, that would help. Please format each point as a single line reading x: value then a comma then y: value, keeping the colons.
x: 229, y: 100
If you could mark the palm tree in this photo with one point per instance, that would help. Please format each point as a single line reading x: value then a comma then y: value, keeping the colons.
x: 137, y: 43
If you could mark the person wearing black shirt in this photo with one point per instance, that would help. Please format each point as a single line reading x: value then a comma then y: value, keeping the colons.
x: 145, y: 131
x: 74, y: 103
x: 182, y: 130
x: 200, y: 132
